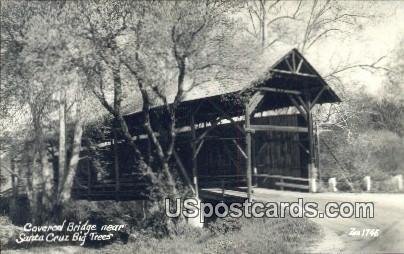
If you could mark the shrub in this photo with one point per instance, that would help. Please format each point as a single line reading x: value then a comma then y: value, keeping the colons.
x: 224, y: 225
x: 106, y: 213
x: 264, y: 235
x: 8, y: 232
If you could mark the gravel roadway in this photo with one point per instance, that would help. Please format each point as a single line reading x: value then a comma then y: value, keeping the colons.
x: 388, y: 218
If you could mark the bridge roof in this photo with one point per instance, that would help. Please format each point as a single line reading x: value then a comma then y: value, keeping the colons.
x: 287, y: 76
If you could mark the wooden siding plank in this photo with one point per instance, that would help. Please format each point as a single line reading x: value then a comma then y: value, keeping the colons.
x: 278, y: 128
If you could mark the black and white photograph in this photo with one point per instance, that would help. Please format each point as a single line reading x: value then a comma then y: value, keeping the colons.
x: 201, y: 126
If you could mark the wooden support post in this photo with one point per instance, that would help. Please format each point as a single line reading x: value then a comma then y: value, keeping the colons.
x: 116, y: 162
x: 194, y: 157
x: 311, y: 166
x: 318, y: 151
x: 253, y: 165
x: 248, y: 141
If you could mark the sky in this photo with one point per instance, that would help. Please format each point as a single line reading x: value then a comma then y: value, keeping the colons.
x: 380, y: 37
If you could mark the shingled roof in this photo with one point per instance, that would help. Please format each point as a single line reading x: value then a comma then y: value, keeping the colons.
x: 290, y: 71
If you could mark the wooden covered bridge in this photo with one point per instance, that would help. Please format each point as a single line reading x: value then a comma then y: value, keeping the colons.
x: 234, y: 138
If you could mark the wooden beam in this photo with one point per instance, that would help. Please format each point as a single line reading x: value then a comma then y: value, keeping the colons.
x: 299, y: 66
x: 292, y: 73
x: 254, y: 101
x: 248, y: 144
x: 294, y: 61
x: 221, y: 176
x: 278, y: 128
x: 206, y: 132
x: 297, y: 105
x: 198, y: 149
x: 278, y: 90
x: 226, y: 116
x: 194, y: 157
x: 149, y: 151
x: 220, y: 138
x: 292, y: 185
x: 303, y: 103
x: 240, y: 149
x: 235, y: 124
x: 318, y: 96
x: 197, y: 109
x: 183, y: 171
x: 235, y: 163
x: 303, y: 147
x: 288, y: 63
x: 292, y: 178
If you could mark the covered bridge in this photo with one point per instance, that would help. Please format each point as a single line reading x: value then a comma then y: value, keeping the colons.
x: 232, y: 139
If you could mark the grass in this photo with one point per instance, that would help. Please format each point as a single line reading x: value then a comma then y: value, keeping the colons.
x: 247, y: 236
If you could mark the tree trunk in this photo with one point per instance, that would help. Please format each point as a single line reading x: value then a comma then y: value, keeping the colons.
x: 170, y: 179
x: 62, y: 139
x: 30, y: 188
x: 145, y: 168
x: 47, y: 179
x: 67, y: 182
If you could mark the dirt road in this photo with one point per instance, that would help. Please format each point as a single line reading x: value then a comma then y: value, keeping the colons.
x: 388, y: 218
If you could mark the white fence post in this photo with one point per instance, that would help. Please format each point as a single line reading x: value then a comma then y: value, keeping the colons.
x: 398, y: 179
x: 332, y: 184
x: 368, y: 183
x: 313, y: 184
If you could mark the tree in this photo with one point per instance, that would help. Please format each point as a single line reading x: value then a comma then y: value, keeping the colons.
x: 169, y: 48
x: 15, y: 23
x: 105, y: 22
x: 264, y: 17
x: 368, y: 130
x: 42, y: 74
